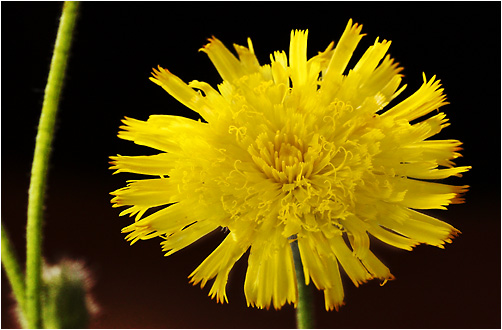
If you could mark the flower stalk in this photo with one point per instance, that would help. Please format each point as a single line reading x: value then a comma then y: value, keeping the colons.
x: 305, y: 307
x: 41, y: 157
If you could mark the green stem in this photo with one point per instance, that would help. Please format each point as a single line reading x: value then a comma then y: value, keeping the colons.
x: 12, y: 269
x: 41, y: 162
x: 305, y: 308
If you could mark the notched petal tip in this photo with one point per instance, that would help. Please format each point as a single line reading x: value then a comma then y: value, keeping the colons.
x: 331, y: 307
x: 159, y: 70
x: 454, y: 233
x: 385, y: 280
x: 211, y: 40
x: 433, y: 82
x: 161, y: 75
x: 114, y: 165
x: 460, y: 191
x: 339, y: 306
x: 352, y: 25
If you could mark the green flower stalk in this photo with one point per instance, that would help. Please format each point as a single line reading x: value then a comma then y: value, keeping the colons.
x: 41, y: 161
x: 305, y: 308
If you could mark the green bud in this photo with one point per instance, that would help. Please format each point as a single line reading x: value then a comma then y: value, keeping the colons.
x: 66, y: 302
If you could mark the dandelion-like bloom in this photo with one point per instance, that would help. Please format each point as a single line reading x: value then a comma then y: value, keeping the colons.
x: 295, y: 149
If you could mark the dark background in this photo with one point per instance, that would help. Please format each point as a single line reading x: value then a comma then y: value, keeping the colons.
x: 116, y: 45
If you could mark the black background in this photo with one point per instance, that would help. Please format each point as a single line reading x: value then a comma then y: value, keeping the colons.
x: 117, y: 43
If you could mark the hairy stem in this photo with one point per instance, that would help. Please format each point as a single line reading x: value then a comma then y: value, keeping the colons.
x: 41, y: 162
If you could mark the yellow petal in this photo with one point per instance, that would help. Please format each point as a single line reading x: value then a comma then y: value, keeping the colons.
x: 376, y: 267
x: 270, y: 278
x: 429, y: 195
x: 187, y: 236
x: 176, y: 87
x: 226, y: 63
x: 333, y: 297
x: 342, y: 53
x: 441, y: 151
x: 349, y: 262
x: 165, y: 133
x: 165, y: 222
x: 248, y: 59
x: 427, y: 98
x: 219, y: 263
x: 159, y: 164
x: 357, y: 235
x: 391, y: 238
x: 279, y: 68
x: 145, y: 194
x: 298, y: 57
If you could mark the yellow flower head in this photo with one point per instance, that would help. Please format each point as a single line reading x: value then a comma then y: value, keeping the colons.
x: 294, y: 149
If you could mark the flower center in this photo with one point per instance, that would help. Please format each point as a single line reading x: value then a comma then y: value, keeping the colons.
x: 288, y: 155
x: 281, y: 158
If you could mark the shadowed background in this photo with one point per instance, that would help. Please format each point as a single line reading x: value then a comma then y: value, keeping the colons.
x: 115, y: 47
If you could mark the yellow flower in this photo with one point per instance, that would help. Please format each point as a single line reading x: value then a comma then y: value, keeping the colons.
x: 295, y: 149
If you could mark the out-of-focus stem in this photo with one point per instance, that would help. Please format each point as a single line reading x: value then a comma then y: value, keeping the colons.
x: 12, y: 269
